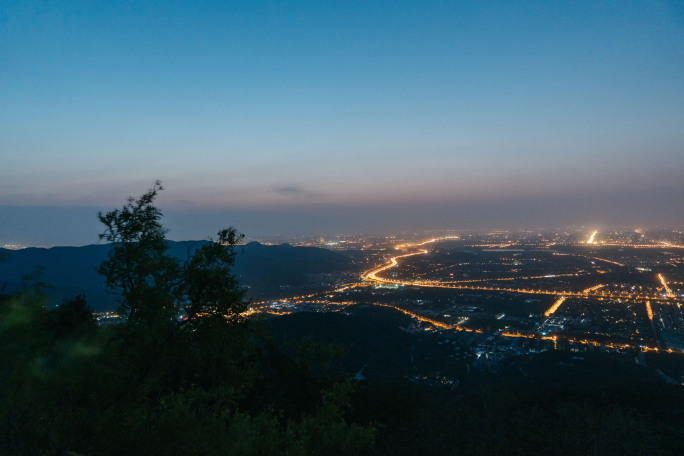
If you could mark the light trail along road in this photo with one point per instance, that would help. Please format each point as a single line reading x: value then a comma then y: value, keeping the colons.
x: 373, y: 275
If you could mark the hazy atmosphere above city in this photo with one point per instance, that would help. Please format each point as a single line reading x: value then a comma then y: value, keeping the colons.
x: 340, y: 117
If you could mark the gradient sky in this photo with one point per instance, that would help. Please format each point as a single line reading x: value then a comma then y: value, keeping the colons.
x: 324, y: 117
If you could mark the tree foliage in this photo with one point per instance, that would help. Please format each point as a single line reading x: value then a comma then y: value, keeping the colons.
x: 208, y: 287
x: 138, y: 267
x: 153, y: 285
x: 72, y: 315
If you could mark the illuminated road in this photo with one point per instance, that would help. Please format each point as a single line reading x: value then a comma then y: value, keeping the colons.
x: 555, y: 306
x: 669, y: 292
x: 591, y: 238
x: 608, y: 261
x: 637, y: 246
x: 594, y: 288
x: 373, y: 276
x: 372, y: 273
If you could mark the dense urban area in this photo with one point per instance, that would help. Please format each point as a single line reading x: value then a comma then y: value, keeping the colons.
x: 509, y: 293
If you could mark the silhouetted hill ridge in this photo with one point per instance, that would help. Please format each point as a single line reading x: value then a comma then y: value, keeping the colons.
x: 265, y: 269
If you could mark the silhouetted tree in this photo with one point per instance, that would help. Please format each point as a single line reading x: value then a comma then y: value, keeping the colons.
x: 153, y: 284
x: 210, y: 290
x: 73, y: 314
x: 138, y: 267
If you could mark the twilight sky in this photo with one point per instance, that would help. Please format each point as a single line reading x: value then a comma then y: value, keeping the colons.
x: 326, y: 117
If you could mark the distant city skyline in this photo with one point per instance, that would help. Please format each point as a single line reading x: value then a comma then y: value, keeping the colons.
x: 340, y: 117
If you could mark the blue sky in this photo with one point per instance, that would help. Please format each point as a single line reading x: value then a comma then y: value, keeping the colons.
x: 306, y: 117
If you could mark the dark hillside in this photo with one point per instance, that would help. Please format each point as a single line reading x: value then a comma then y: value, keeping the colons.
x: 67, y: 272
x: 551, y: 403
x: 372, y: 341
x: 271, y: 270
x: 267, y: 270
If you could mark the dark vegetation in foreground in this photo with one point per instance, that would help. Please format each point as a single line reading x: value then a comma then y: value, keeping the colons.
x: 213, y: 382
x: 550, y: 403
x: 185, y: 374
x: 70, y: 387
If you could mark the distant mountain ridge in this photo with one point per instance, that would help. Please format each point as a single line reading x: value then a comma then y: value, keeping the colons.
x: 69, y: 271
